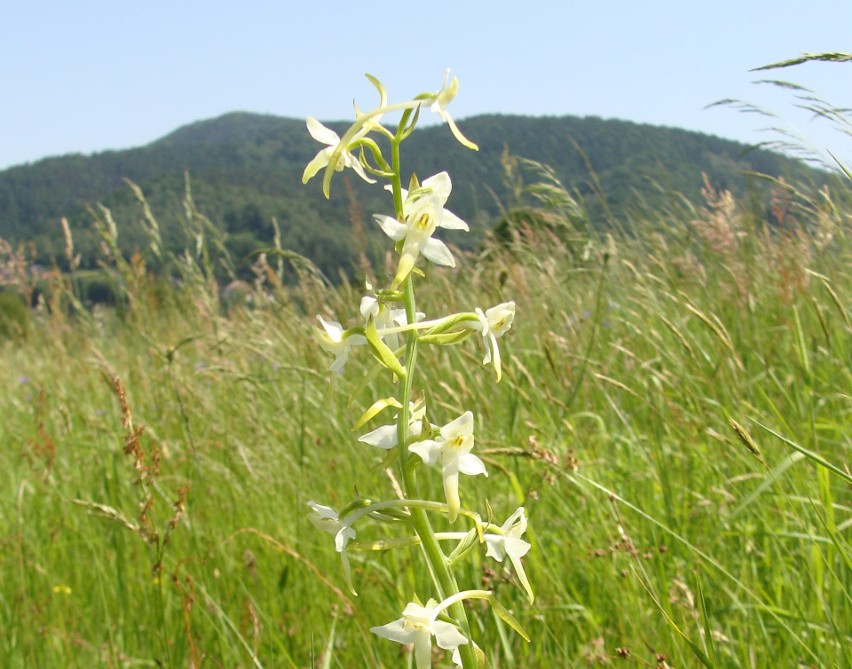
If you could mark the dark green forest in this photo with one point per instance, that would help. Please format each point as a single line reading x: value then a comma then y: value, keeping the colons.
x: 245, y: 170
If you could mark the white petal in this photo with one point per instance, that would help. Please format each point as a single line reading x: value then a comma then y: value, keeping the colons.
x: 355, y: 164
x: 319, y: 162
x: 395, y: 631
x: 516, y: 524
x: 323, y: 511
x: 428, y: 450
x: 494, y: 547
x: 342, y: 538
x: 451, y: 491
x: 436, y: 251
x: 369, y: 307
x: 447, y: 635
x: 391, y: 227
x: 322, y: 134
x: 332, y: 328
x: 384, y: 437
x: 500, y: 317
x: 422, y: 649
x: 471, y: 465
x: 496, y: 351
x: 440, y: 184
x: 450, y: 221
x: 340, y: 361
x: 413, y: 610
x: 486, y: 341
x: 461, y: 425
x: 516, y: 548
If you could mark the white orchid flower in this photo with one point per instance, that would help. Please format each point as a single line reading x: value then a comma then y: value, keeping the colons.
x: 417, y: 626
x: 451, y: 452
x: 386, y: 437
x: 493, y: 324
x: 423, y: 218
x: 509, y: 543
x: 439, y: 106
x: 442, y: 186
x: 334, y: 339
x: 327, y: 136
x: 325, y: 518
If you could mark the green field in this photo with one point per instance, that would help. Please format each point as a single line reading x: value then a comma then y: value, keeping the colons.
x: 675, y: 415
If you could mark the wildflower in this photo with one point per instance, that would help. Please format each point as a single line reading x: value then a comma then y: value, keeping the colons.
x: 325, y: 518
x: 451, y: 451
x: 494, y: 323
x: 442, y: 186
x: 327, y: 136
x: 334, y: 339
x: 417, y: 626
x: 509, y: 543
x: 439, y: 106
x: 422, y: 219
x: 386, y: 436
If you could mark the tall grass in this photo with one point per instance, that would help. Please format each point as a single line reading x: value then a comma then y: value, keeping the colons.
x: 676, y: 417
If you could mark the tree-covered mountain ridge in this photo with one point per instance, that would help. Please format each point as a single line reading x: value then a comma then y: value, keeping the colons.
x: 245, y: 169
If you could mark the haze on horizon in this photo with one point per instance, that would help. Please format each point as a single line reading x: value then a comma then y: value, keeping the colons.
x: 92, y: 76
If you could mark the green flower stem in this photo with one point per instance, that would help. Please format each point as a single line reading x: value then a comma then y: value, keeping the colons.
x: 444, y: 579
x: 439, y: 567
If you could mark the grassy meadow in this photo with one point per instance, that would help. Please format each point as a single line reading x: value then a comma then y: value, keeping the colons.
x: 675, y: 416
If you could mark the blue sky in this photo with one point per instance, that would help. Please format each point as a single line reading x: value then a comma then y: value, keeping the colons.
x: 89, y: 75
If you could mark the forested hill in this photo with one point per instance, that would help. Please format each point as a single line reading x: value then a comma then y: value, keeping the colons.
x: 246, y: 169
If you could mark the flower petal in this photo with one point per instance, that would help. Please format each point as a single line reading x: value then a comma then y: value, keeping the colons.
x: 321, y: 133
x: 323, y: 513
x: 451, y: 491
x: 447, y: 635
x: 422, y: 649
x: 437, y: 252
x: 356, y: 165
x: 450, y: 221
x: 391, y: 227
x: 384, y: 437
x: 319, y: 162
x: 471, y: 465
x: 461, y: 425
x: 440, y: 184
x: 395, y: 631
x: 428, y: 450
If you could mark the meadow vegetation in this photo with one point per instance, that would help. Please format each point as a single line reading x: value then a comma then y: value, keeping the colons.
x: 675, y: 416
